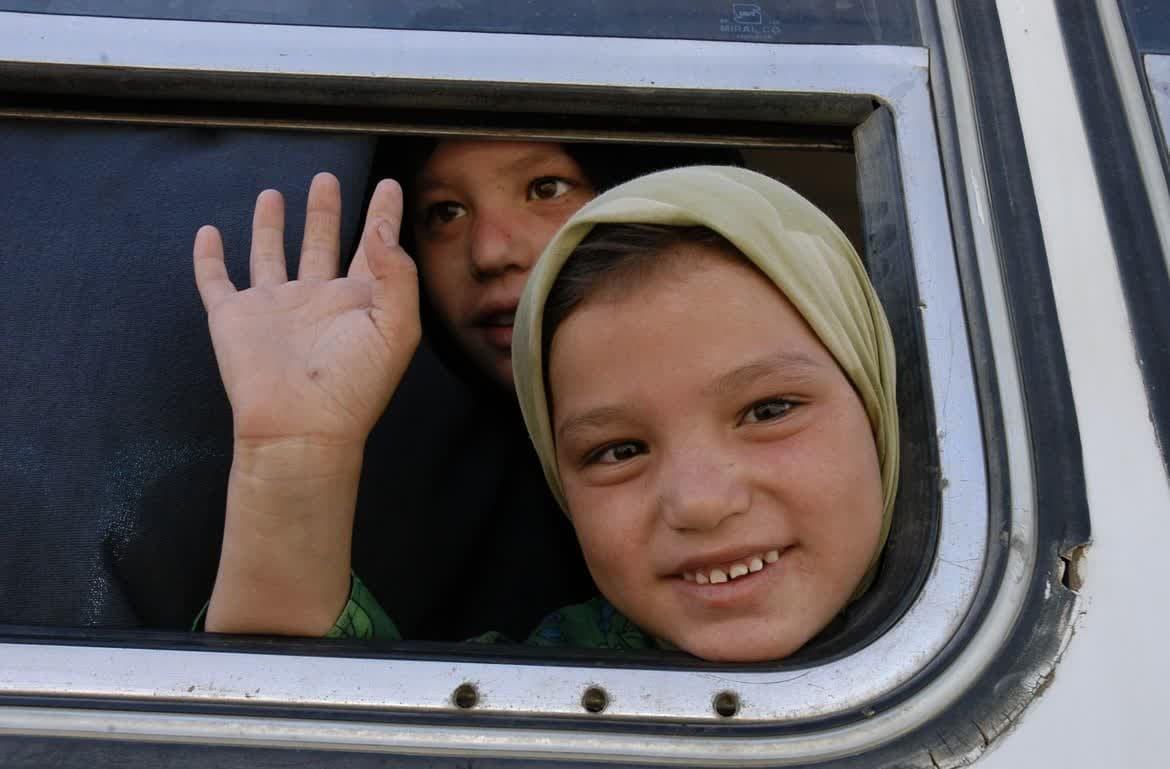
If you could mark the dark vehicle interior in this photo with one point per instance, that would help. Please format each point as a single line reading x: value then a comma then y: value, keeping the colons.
x: 119, y: 433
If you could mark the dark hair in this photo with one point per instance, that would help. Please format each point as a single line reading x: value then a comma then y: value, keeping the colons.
x: 613, y: 255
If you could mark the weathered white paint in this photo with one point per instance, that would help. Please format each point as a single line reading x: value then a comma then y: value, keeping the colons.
x: 1106, y: 706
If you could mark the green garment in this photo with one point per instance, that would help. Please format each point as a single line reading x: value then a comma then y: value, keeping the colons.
x: 594, y: 624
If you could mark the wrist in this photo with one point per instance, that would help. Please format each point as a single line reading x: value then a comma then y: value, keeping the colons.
x: 254, y: 602
x: 285, y: 563
x: 295, y: 459
x: 292, y: 497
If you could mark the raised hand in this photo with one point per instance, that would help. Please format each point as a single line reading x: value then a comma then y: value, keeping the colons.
x: 316, y: 358
x: 309, y: 365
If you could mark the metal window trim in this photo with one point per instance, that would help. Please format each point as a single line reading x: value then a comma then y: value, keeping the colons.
x: 762, y: 74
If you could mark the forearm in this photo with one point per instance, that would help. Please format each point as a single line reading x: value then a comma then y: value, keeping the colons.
x: 285, y: 564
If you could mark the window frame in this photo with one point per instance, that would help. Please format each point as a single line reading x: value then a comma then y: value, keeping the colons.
x: 823, y: 82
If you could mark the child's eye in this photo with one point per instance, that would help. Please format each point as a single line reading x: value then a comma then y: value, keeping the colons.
x: 767, y: 411
x: 443, y: 212
x: 548, y: 187
x: 615, y: 453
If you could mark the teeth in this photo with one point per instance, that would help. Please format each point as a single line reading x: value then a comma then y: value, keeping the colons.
x: 734, y: 571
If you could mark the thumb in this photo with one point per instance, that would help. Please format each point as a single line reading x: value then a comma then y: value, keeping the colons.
x: 395, y: 290
x: 385, y: 207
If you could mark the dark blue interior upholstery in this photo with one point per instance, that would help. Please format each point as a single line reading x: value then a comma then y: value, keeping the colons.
x: 116, y: 435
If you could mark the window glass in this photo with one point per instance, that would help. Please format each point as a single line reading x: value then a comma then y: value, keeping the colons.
x: 1149, y: 24
x: 891, y: 22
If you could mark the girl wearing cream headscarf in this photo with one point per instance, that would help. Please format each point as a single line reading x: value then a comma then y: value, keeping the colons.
x: 711, y: 393
x: 708, y: 378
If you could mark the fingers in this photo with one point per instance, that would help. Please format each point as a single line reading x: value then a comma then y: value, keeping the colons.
x: 385, y: 206
x: 320, y: 250
x: 267, y: 260
x: 395, y: 310
x: 211, y: 276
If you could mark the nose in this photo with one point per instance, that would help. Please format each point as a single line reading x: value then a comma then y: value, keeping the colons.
x: 699, y: 490
x: 500, y: 243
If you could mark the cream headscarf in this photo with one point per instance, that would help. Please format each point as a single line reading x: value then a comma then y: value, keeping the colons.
x: 788, y: 238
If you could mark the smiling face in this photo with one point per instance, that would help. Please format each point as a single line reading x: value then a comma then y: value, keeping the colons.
x: 719, y: 468
x: 483, y: 214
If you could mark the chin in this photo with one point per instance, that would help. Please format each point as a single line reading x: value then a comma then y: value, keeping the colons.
x: 502, y: 373
x: 498, y: 367
x: 733, y: 645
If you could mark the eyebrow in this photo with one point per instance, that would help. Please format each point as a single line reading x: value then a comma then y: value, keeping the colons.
x: 534, y: 156
x: 795, y: 365
x: 593, y: 418
x: 529, y: 158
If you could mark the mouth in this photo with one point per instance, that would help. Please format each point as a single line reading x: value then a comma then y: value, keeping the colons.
x: 729, y: 571
x: 495, y: 325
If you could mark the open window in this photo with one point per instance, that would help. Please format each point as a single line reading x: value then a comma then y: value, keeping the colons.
x: 853, y: 127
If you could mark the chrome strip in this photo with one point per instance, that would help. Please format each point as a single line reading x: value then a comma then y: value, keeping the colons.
x: 303, y: 734
x: 1158, y: 74
x: 759, y: 74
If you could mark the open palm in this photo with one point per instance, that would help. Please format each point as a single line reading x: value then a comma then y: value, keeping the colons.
x: 316, y: 358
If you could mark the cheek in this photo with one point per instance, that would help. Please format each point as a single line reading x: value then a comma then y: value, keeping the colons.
x: 842, y: 498
x: 613, y: 540
x: 537, y: 230
x: 551, y: 218
x: 445, y: 280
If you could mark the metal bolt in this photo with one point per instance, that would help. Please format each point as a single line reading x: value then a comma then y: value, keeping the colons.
x: 466, y: 696
x: 726, y: 704
x: 595, y: 699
